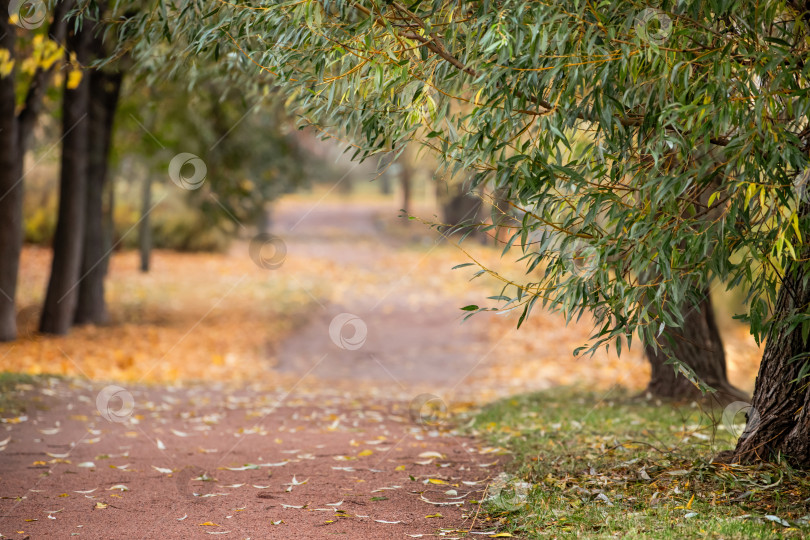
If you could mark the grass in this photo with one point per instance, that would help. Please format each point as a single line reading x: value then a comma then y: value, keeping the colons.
x: 10, y: 383
x: 632, y: 468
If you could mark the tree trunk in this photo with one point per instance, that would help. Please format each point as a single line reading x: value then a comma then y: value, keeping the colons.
x: 406, y: 180
x: 780, y: 421
x: 62, y: 294
x: 10, y: 192
x: 697, y: 344
x: 145, y: 228
x: 91, y: 307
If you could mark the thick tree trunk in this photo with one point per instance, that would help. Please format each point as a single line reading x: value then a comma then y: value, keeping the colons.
x: 10, y: 192
x: 780, y: 419
x: 91, y: 307
x: 698, y: 344
x: 63, y: 287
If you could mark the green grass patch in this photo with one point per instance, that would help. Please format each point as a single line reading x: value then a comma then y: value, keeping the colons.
x: 10, y: 385
x: 601, y: 466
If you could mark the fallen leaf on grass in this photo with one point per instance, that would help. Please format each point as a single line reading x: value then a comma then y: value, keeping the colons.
x: 777, y: 519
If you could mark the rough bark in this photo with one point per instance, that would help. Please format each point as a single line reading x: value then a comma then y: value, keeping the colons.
x: 10, y: 193
x: 699, y: 345
x: 62, y: 293
x: 780, y: 423
x: 91, y: 306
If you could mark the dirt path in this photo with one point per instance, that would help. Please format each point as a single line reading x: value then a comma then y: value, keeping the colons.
x: 353, y: 443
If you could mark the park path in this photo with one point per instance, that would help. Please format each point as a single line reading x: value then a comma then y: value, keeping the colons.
x: 352, y: 440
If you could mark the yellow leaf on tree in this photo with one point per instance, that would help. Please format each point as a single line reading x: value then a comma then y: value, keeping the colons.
x: 74, y: 78
x: 6, y: 63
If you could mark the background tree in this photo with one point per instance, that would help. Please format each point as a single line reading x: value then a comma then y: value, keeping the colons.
x: 30, y: 54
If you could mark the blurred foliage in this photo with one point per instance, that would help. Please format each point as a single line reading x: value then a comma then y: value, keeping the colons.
x: 661, y: 141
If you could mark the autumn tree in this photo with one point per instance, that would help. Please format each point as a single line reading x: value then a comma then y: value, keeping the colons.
x: 31, y: 42
x: 659, y: 151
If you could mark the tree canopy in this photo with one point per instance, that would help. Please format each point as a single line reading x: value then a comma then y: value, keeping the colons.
x: 649, y: 150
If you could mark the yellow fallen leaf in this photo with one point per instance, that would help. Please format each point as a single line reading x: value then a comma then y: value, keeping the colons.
x: 501, y: 535
x: 437, y: 515
x: 209, y: 524
x: 64, y: 495
x: 400, y: 468
x: 436, y: 481
x: 100, y: 505
x: 365, y: 453
x: 38, y: 463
